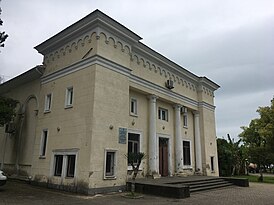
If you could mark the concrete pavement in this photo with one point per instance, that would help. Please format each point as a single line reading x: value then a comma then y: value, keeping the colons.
x: 21, y: 193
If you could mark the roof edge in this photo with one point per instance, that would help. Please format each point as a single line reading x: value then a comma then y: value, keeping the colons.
x: 82, y: 26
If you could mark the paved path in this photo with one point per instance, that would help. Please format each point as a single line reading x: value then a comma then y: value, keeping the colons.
x: 20, y: 193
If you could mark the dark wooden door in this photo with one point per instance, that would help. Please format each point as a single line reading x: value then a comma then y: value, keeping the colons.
x: 163, y: 156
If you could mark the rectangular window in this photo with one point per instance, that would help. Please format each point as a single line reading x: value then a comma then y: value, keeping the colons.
x: 212, y: 163
x: 186, y: 153
x: 43, y: 146
x: 58, y: 165
x: 110, y: 164
x: 133, y: 106
x: 48, y: 100
x: 184, y: 116
x: 133, y: 143
x: 64, y: 164
x: 185, y: 119
x: 69, y: 97
x: 71, y: 165
x: 163, y: 114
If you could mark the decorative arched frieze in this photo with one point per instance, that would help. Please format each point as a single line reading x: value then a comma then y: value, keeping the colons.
x: 111, y: 41
x: 127, y: 49
x: 86, y: 40
x: 164, y: 73
x: 67, y: 49
x: 158, y: 69
x: 93, y: 35
x: 62, y: 51
x: 80, y: 43
x: 73, y: 46
x: 56, y: 54
x: 182, y: 81
x: 168, y: 75
x: 142, y: 62
x: 103, y: 36
x: 119, y: 45
x: 147, y: 64
x: 178, y: 80
x: 173, y: 77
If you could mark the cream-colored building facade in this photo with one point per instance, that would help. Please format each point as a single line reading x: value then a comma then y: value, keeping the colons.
x: 100, y: 94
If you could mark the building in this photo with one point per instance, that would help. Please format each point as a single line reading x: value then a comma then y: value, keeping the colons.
x: 100, y: 94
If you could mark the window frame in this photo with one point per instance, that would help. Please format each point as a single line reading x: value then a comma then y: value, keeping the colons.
x: 185, y: 120
x: 160, y: 114
x: 190, y: 154
x: 43, y: 143
x: 48, y: 102
x: 57, y: 172
x: 137, y: 142
x: 113, y: 175
x: 134, y: 111
x: 65, y: 163
x: 69, y: 97
x: 140, y: 133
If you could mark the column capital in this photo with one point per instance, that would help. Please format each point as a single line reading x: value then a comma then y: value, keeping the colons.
x: 152, y: 97
x: 196, y: 113
x: 177, y: 106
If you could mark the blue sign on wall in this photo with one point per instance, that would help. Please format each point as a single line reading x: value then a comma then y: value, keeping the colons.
x: 122, y: 135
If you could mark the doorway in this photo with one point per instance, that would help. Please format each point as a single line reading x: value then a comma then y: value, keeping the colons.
x: 163, y: 156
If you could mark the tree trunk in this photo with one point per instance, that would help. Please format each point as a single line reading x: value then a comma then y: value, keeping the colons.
x: 261, y: 179
x: 133, y: 187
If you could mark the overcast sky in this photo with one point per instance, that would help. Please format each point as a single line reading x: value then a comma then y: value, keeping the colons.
x: 230, y: 41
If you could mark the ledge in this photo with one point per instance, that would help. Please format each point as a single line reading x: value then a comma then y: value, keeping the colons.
x: 178, y: 191
x: 243, y: 182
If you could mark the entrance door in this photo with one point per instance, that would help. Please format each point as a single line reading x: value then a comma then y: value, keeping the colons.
x: 163, y: 156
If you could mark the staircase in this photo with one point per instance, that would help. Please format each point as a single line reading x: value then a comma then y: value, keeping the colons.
x: 206, y: 184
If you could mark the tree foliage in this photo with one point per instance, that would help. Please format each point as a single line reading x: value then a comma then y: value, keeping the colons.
x: 231, y: 157
x: 3, y: 35
x: 259, y: 137
x: 7, y: 110
x: 135, y: 159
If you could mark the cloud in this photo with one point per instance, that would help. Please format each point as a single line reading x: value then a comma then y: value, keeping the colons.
x: 230, y: 42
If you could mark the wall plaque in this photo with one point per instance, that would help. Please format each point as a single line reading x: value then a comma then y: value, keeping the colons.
x: 122, y: 135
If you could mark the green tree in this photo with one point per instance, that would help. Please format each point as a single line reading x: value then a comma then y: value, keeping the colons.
x: 3, y: 35
x: 7, y: 110
x: 135, y: 159
x: 259, y: 138
x: 231, y: 157
x: 224, y: 157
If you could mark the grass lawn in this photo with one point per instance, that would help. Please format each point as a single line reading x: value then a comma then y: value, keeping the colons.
x: 253, y: 178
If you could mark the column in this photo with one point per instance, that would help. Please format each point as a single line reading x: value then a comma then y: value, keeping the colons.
x: 198, y: 151
x: 178, y: 139
x: 152, y: 136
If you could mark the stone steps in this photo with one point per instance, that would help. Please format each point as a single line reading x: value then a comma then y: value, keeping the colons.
x: 208, y: 184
